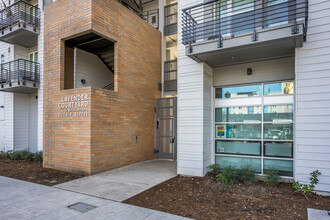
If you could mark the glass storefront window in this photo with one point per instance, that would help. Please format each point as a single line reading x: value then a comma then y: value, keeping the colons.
x: 238, y: 92
x: 278, y: 149
x: 238, y: 147
x: 239, y: 162
x: 278, y: 131
x: 277, y: 113
x: 238, y: 114
x: 261, y: 134
x: 279, y: 88
x: 284, y: 167
x: 239, y: 131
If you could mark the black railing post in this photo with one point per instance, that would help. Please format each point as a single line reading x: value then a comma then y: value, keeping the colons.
x: 25, y: 15
x: 19, y: 14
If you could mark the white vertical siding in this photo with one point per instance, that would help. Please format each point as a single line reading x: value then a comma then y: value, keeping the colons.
x: 207, y: 115
x: 40, y: 91
x: 33, y: 122
x: 21, y: 52
x: 8, y: 133
x: 191, y: 99
x: 89, y: 67
x: 21, y: 139
x: 2, y: 121
x: 9, y: 121
x: 313, y: 98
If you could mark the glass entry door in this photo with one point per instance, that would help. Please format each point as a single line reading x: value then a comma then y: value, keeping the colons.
x: 166, y: 128
x: 254, y: 127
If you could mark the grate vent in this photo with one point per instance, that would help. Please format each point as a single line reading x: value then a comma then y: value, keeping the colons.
x: 81, y: 207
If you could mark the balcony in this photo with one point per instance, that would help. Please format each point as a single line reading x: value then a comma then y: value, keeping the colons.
x: 221, y: 32
x: 152, y: 18
x: 170, y: 76
x: 20, y: 76
x: 171, y: 19
x: 20, y: 24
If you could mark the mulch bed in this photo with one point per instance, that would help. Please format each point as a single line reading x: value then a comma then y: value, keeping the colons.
x: 33, y: 172
x: 204, y: 198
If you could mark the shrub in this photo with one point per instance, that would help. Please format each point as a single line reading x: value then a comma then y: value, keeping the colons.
x: 307, y: 189
x: 230, y: 176
x: 16, y: 155
x: 215, y: 168
x: 273, y: 177
x: 26, y: 155
x: 247, y: 176
x: 38, y: 156
x: 22, y: 155
x: 3, y: 154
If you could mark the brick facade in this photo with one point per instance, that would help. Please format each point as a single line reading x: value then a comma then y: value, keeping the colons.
x: 106, y: 137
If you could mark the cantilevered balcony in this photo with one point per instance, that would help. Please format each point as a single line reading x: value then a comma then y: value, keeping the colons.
x: 20, y: 76
x: 221, y: 32
x: 20, y: 24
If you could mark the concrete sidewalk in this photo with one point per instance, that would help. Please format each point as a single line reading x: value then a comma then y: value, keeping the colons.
x: 23, y: 200
x: 122, y: 183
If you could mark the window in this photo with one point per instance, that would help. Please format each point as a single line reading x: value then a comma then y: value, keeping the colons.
x: 33, y: 57
x: 277, y: 12
x: 238, y: 91
x: 2, y: 75
x: 280, y: 88
x: 258, y: 135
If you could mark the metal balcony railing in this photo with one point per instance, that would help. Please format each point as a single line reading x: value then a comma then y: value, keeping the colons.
x: 20, y: 13
x: 152, y: 17
x: 222, y: 18
x: 19, y: 70
x: 170, y: 75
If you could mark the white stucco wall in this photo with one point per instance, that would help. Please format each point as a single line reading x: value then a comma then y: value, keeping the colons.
x: 313, y: 98
x: 89, y: 67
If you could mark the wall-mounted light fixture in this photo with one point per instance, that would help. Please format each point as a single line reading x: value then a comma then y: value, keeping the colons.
x: 249, y: 71
x: 83, y: 81
x: 2, y: 106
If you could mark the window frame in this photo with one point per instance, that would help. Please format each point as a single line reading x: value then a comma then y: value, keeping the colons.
x: 259, y: 101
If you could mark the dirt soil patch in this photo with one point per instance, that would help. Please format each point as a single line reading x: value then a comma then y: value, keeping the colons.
x: 204, y: 198
x: 33, y: 172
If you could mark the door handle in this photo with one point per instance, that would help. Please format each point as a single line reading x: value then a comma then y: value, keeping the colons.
x: 172, y: 140
x: 157, y: 124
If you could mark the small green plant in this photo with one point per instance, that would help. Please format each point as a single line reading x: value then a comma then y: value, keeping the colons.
x: 37, y: 157
x: 21, y: 155
x: 16, y: 155
x: 27, y: 155
x: 228, y: 176
x: 3, y: 154
x: 247, y: 176
x: 215, y: 168
x: 273, y: 177
x: 307, y: 189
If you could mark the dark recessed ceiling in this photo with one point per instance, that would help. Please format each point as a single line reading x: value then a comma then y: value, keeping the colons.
x: 91, y: 43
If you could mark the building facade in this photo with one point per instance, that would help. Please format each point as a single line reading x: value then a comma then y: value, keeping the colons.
x: 252, y: 87
x: 238, y: 83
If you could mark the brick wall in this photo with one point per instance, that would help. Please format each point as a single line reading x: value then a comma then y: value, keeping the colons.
x: 106, y: 137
